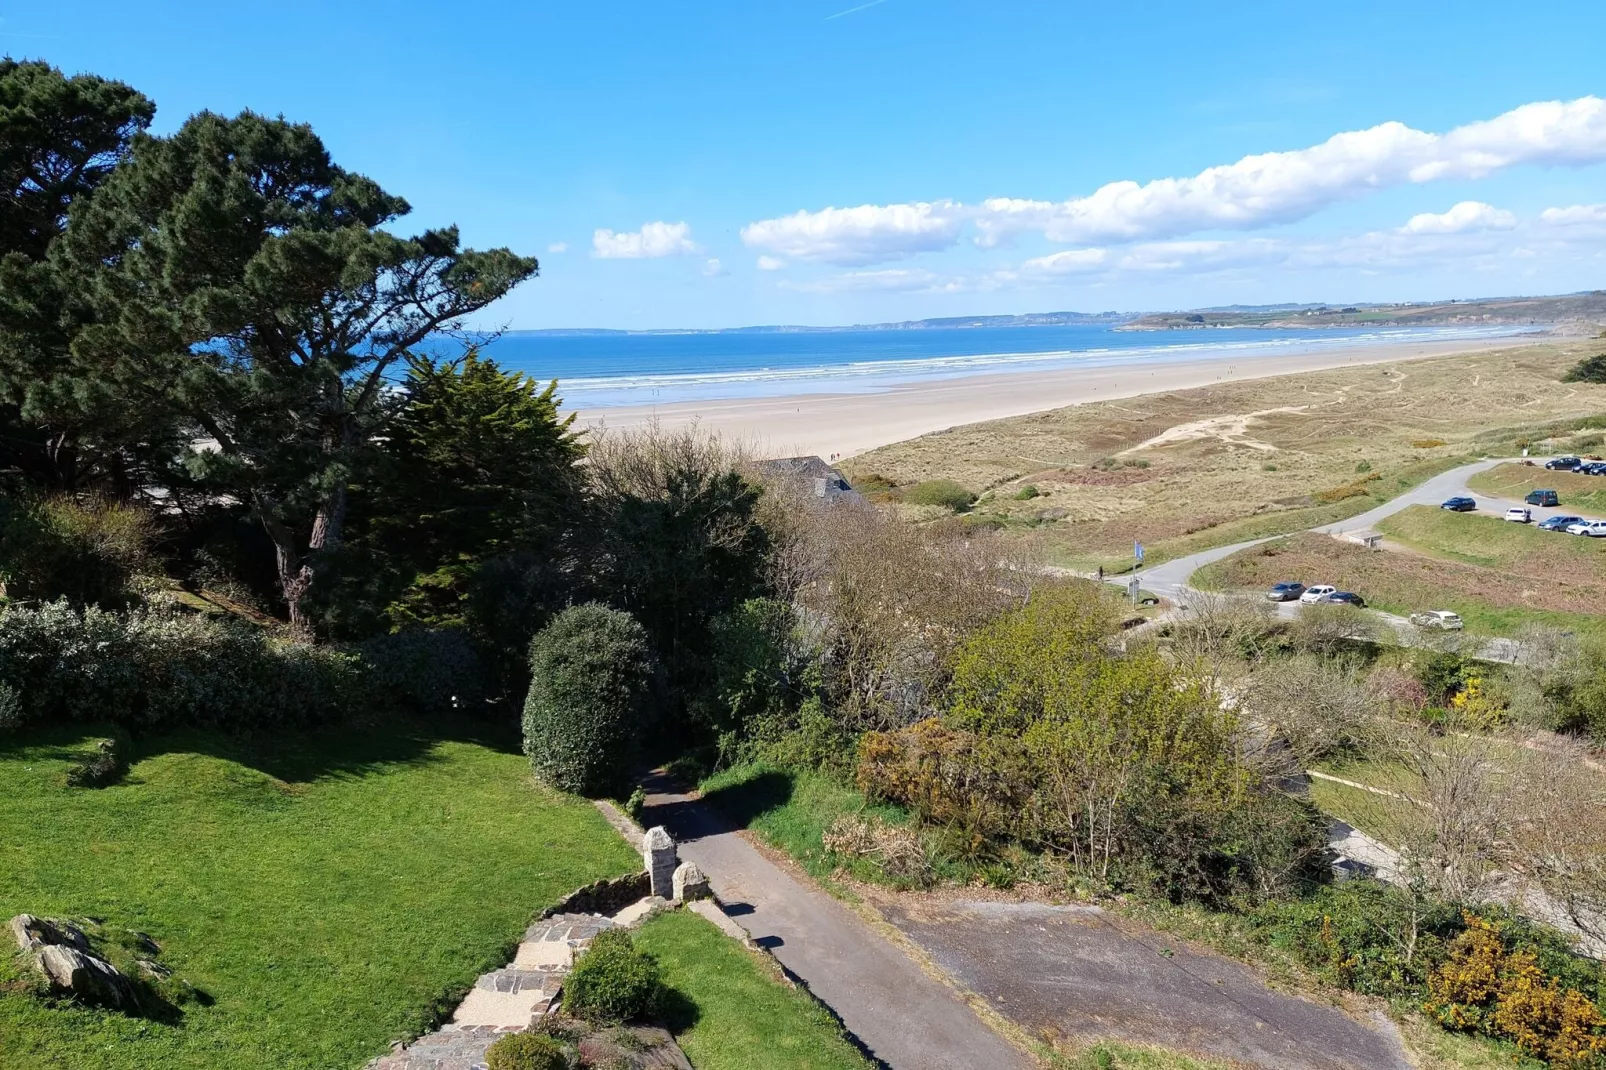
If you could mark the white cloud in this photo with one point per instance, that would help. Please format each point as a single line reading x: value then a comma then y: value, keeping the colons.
x: 770, y: 263
x: 1575, y: 215
x: 713, y: 269
x: 1466, y: 216
x: 1257, y: 191
x: 558, y: 247
x: 651, y: 241
x: 867, y: 234
x: 1069, y: 262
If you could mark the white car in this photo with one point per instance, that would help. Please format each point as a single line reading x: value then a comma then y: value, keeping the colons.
x: 1593, y: 528
x: 1316, y: 594
x: 1519, y: 515
x: 1442, y: 619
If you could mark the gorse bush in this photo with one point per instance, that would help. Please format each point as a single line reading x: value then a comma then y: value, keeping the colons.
x: 526, y: 1051
x: 146, y: 669
x: 591, y: 688
x: 612, y: 982
x: 1484, y: 985
x: 944, y: 493
x: 1588, y: 370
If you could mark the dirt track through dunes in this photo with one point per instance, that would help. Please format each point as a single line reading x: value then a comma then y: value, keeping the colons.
x: 1080, y: 974
x: 1239, y: 460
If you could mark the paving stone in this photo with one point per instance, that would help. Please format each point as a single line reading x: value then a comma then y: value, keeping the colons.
x: 640, y: 910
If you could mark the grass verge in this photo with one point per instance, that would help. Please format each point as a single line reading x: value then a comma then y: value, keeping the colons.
x: 1587, y: 494
x: 329, y: 894
x: 740, y: 1012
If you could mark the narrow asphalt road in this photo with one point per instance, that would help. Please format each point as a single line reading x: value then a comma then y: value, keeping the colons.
x: 903, y: 1017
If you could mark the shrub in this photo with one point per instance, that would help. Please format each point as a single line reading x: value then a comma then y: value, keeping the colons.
x: 86, y: 552
x: 151, y: 668
x: 431, y: 671
x: 1440, y: 672
x: 1363, y: 467
x: 940, y: 492
x: 526, y: 1051
x: 1427, y: 443
x: 10, y: 706
x: 1588, y: 370
x: 1027, y: 493
x: 612, y: 982
x: 978, y: 784
x: 1486, y: 986
x: 591, y: 684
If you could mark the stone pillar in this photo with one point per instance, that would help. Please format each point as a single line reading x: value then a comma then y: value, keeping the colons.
x: 689, y: 883
x: 658, y: 855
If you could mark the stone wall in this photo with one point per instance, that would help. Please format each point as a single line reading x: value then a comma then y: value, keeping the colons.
x: 605, y: 897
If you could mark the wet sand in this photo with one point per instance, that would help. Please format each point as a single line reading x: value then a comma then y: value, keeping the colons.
x: 846, y: 424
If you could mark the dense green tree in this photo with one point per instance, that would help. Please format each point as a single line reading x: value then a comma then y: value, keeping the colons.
x: 234, y: 276
x: 60, y: 138
x: 475, y: 483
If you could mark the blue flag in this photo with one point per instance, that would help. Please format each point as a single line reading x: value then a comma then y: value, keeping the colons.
x: 1137, y: 551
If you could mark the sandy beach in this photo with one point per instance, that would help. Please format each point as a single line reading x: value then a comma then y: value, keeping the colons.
x: 846, y: 424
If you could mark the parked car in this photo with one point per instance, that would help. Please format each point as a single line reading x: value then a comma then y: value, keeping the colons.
x: 1563, y: 464
x: 1595, y: 529
x: 1285, y: 592
x: 1542, y: 497
x: 1594, y: 468
x: 1459, y: 505
x: 1580, y: 527
x: 1519, y: 514
x: 1442, y: 619
x: 1558, y: 523
x: 1345, y: 598
x: 1316, y: 594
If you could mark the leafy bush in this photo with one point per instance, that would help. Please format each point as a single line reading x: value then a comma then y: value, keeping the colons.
x: 149, y: 668
x: 10, y: 706
x: 612, y: 982
x: 1362, y: 935
x: 940, y: 492
x: 759, y: 670
x: 526, y: 1051
x: 86, y: 552
x: 1440, y: 672
x: 1588, y: 370
x: 591, y: 684
x: 431, y: 671
x: 1027, y: 493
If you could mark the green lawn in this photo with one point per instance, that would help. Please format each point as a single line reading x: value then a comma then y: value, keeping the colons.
x: 1587, y: 494
x: 329, y: 894
x: 1494, y: 542
x: 737, y: 1013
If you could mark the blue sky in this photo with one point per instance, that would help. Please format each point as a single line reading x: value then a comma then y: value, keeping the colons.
x: 672, y: 163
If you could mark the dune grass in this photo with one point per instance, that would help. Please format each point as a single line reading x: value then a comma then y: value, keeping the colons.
x: 741, y: 1013
x: 328, y: 894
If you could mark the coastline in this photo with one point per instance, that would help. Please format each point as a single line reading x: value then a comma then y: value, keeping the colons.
x: 846, y: 424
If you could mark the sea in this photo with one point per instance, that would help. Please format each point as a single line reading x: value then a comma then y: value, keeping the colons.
x: 611, y: 369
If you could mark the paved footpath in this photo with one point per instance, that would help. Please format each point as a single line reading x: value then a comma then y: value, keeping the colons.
x: 904, y: 1017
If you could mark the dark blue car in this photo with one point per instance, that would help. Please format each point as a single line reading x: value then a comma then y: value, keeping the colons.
x: 1459, y: 505
x: 1558, y: 523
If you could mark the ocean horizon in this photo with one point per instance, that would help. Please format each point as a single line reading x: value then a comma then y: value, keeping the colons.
x: 607, y: 370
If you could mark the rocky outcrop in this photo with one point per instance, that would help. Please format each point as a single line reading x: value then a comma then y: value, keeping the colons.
x: 62, y: 953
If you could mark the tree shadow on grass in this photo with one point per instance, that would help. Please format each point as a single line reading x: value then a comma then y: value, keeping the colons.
x: 291, y: 755
x: 676, y: 1011
x: 751, y: 798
